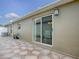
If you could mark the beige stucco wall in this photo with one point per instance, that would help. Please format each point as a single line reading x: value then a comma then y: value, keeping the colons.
x: 66, y: 36
x: 25, y: 31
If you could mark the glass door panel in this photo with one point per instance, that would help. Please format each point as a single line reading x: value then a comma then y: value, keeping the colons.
x: 38, y: 30
x: 47, y: 30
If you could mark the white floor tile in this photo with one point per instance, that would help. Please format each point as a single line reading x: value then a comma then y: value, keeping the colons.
x: 36, y: 52
x: 23, y: 53
x: 16, y: 51
x: 45, y: 57
x: 31, y: 57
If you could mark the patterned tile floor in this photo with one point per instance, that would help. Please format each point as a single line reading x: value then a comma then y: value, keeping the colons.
x: 16, y: 49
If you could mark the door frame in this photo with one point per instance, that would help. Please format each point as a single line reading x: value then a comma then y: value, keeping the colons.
x: 33, y: 26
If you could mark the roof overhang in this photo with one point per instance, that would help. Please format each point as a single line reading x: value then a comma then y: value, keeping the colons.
x: 44, y: 8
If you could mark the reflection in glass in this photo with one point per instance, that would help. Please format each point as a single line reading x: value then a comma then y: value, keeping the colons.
x: 43, y: 30
x: 47, y: 30
x: 38, y: 31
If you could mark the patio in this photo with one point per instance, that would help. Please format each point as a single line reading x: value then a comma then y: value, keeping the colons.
x: 17, y: 49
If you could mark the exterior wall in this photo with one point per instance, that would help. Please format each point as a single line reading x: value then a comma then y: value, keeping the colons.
x: 66, y: 37
x: 26, y: 29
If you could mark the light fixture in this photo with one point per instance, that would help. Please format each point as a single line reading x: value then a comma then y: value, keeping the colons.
x: 49, y: 23
x: 56, y: 12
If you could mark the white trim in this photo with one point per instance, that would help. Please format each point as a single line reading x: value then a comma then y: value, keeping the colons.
x: 32, y: 30
x: 41, y: 30
x: 42, y: 44
x: 33, y: 39
x: 53, y: 29
x: 35, y: 30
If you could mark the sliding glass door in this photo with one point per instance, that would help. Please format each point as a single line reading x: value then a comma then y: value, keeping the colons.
x: 43, y: 30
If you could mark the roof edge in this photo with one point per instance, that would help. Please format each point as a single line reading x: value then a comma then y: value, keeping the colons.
x: 44, y: 8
